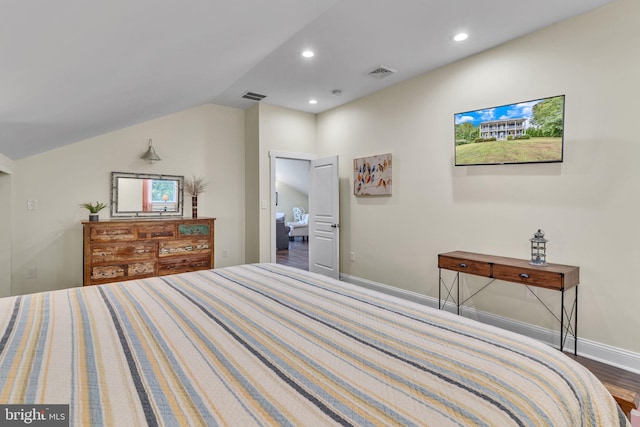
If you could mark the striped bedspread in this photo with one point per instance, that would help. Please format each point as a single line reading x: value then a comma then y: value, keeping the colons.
x: 268, y: 345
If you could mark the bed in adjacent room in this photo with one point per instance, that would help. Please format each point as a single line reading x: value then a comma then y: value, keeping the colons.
x: 265, y: 344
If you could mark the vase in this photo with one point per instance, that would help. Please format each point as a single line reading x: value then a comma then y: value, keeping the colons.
x: 94, y: 217
x: 194, y: 206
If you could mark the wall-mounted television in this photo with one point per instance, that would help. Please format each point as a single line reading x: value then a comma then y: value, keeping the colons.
x: 524, y: 132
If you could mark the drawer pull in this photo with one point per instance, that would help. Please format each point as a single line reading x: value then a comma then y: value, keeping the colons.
x: 524, y: 275
x: 463, y: 265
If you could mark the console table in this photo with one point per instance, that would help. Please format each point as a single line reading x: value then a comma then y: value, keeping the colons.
x: 557, y: 277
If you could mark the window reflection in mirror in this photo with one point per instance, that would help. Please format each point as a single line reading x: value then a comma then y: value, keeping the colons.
x: 146, y: 195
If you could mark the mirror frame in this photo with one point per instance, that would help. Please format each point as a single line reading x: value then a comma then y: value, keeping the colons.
x: 114, y: 195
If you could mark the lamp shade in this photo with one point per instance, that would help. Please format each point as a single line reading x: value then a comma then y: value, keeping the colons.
x: 150, y: 155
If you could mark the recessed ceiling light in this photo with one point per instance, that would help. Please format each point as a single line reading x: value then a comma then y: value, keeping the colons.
x: 460, y: 37
x: 308, y: 54
x: 313, y: 101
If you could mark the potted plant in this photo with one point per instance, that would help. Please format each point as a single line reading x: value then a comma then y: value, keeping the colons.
x: 93, y: 209
x: 194, y: 186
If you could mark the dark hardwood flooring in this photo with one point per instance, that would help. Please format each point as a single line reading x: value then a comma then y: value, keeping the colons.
x: 622, y: 384
x: 296, y: 256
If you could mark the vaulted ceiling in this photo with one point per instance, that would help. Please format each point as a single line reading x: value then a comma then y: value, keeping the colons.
x: 73, y: 69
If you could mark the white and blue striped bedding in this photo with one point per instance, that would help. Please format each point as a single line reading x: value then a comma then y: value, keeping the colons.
x: 268, y: 345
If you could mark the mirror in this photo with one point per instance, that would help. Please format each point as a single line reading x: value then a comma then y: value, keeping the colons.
x: 146, y: 195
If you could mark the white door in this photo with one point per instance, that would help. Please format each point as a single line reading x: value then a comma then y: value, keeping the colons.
x: 324, y: 231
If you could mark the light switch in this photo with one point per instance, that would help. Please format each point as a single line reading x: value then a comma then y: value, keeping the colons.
x: 32, y: 205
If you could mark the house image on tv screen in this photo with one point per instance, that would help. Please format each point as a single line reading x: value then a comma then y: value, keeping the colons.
x: 523, y: 132
x: 502, y: 129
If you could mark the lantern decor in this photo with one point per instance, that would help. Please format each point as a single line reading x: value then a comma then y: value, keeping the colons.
x: 538, y: 249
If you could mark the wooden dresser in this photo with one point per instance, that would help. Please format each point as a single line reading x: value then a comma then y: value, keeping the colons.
x: 119, y: 250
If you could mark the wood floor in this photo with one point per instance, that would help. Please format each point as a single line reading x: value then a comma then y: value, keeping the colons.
x: 296, y: 256
x: 623, y: 385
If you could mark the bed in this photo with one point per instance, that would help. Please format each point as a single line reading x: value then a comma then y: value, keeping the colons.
x: 265, y: 344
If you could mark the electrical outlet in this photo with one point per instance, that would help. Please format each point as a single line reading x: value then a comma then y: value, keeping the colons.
x: 532, y: 293
x: 32, y: 272
x: 352, y: 256
x: 225, y: 253
x: 32, y: 205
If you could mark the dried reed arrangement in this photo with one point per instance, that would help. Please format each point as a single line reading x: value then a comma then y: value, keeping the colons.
x: 195, y: 185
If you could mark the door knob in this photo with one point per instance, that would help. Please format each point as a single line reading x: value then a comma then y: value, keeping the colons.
x: 335, y: 225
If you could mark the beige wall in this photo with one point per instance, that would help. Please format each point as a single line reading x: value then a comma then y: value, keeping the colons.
x: 252, y: 184
x: 6, y: 165
x: 288, y: 198
x: 206, y: 141
x: 281, y: 130
x: 5, y: 234
x: 588, y: 205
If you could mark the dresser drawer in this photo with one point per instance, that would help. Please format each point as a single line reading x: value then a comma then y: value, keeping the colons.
x: 118, y: 252
x: 112, y: 233
x: 132, y: 270
x: 184, y: 246
x: 529, y: 276
x: 197, y: 229
x: 155, y: 231
x: 175, y: 265
x: 479, y: 268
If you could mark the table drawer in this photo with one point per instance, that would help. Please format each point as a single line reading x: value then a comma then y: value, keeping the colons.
x: 529, y: 276
x: 479, y: 268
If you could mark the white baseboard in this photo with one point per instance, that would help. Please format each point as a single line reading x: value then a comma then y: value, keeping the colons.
x: 613, y: 356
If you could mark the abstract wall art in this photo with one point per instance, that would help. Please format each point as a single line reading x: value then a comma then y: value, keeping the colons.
x: 372, y: 175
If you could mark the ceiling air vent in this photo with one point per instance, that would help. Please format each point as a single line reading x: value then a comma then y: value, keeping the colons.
x: 381, y: 72
x: 254, y: 96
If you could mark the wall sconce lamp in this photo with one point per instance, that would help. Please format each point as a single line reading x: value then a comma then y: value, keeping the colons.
x: 150, y: 155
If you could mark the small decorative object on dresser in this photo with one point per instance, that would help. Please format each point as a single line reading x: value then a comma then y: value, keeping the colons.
x: 93, y: 209
x: 194, y: 186
x: 119, y: 250
x: 538, y: 249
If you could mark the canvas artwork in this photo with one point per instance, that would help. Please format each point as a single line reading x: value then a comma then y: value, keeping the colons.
x: 372, y: 175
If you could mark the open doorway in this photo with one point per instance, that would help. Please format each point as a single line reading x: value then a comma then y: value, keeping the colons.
x: 323, y: 231
x: 292, y: 212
